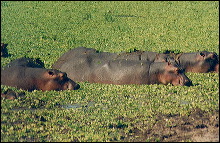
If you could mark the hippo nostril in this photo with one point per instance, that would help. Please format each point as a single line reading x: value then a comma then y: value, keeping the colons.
x: 188, y: 83
x: 77, y: 86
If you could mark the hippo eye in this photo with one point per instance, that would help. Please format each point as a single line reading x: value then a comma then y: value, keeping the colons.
x: 50, y: 73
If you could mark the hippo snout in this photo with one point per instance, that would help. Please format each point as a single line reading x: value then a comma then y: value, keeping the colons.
x: 188, y: 83
x: 71, y: 85
x: 77, y: 86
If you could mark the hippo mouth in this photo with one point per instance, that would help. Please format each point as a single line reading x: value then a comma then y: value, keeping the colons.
x: 188, y: 83
x: 77, y: 86
x: 72, y: 86
x: 181, y: 81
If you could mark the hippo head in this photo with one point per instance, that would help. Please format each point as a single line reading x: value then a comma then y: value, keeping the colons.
x: 208, y: 61
x: 57, y: 80
x: 199, y: 62
x: 173, y: 74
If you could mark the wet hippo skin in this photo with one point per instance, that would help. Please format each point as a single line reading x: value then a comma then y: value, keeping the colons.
x: 29, y: 74
x: 136, y: 72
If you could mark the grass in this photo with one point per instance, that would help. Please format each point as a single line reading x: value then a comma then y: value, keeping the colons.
x: 46, y: 30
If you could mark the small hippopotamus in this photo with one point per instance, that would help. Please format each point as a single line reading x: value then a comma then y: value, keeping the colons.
x: 4, y: 50
x: 199, y: 62
x: 29, y: 74
x: 11, y: 95
x: 96, y: 69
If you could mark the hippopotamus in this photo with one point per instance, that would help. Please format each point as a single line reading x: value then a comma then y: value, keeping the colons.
x: 4, y: 50
x: 29, y: 74
x: 198, y: 62
x: 95, y: 68
x: 10, y: 94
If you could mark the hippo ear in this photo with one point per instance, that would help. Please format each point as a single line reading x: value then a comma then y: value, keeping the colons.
x: 50, y: 73
x: 214, y: 56
x: 62, y: 75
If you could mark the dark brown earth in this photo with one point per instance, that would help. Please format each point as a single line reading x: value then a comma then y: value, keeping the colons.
x: 199, y: 126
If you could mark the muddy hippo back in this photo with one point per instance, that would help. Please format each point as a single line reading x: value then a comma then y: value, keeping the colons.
x: 73, y: 53
x: 143, y: 55
x: 22, y: 76
x: 78, y: 68
x: 26, y: 62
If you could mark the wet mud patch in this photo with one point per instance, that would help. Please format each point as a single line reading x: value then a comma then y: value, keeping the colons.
x: 198, y: 126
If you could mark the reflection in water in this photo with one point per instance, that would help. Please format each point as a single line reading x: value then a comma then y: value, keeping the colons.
x: 77, y: 105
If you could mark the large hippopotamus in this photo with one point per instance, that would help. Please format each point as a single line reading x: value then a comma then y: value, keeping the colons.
x: 99, y: 68
x: 30, y: 74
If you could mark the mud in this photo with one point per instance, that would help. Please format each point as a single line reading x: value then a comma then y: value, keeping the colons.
x: 199, y: 126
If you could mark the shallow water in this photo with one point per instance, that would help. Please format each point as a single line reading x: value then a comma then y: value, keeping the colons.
x: 77, y: 105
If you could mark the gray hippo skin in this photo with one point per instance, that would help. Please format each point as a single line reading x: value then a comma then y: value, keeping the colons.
x: 106, y: 68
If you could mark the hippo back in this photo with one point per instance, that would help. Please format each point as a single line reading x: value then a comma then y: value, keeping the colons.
x: 71, y: 54
x: 27, y: 62
x: 79, y: 67
x: 121, y: 71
